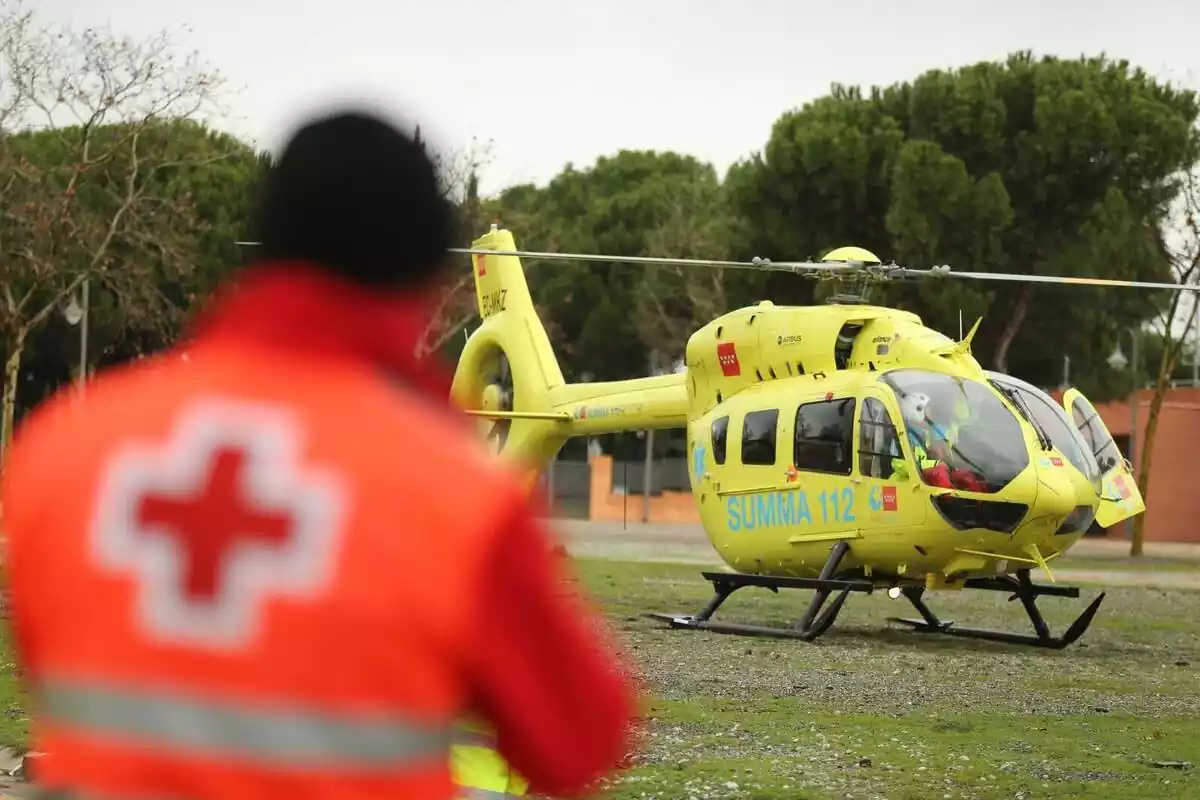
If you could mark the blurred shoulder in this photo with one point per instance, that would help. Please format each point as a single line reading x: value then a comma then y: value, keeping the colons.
x: 446, y: 440
x: 57, y: 440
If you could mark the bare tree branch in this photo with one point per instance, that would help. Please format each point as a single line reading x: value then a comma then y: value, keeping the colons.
x: 457, y: 304
x: 672, y: 301
x: 92, y: 125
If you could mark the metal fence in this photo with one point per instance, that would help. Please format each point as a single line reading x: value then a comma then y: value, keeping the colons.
x: 567, y: 485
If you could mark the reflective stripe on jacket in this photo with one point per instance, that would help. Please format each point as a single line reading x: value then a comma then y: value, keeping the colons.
x: 480, y: 772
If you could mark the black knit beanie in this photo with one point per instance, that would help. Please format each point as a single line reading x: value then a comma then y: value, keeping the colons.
x: 354, y: 194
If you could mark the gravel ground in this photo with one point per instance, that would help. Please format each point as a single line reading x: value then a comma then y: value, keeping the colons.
x: 870, y: 711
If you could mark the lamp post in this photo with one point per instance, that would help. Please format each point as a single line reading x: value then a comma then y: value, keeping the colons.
x: 1118, y: 362
x: 648, y: 467
x: 77, y: 313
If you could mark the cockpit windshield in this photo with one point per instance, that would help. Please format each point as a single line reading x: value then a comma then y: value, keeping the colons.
x: 961, y: 434
x: 1104, y: 449
x: 1053, y: 420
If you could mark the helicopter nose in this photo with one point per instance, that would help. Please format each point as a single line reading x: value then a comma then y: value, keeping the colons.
x: 1056, y: 497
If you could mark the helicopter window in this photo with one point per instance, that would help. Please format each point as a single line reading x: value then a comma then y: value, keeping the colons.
x: 758, y: 437
x: 720, y: 430
x: 878, y: 442
x: 1053, y: 420
x: 962, y: 434
x: 1087, y: 419
x: 825, y: 436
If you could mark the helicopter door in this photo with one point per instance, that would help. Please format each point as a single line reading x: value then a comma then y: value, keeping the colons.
x: 886, y: 473
x: 1120, y: 497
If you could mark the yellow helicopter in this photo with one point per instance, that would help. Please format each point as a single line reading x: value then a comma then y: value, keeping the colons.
x: 840, y: 448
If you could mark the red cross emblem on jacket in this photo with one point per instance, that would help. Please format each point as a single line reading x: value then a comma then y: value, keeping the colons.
x: 215, y: 521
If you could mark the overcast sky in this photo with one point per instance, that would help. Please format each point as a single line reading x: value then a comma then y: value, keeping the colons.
x: 554, y: 81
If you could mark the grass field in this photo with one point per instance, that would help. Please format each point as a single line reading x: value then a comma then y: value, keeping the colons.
x: 873, y: 712
x: 869, y: 712
x: 14, y: 725
x: 1142, y: 564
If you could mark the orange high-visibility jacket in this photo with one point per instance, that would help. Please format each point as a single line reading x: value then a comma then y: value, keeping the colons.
x: 207, y: 560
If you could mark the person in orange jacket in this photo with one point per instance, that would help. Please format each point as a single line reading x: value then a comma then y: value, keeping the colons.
x: 286, y: 567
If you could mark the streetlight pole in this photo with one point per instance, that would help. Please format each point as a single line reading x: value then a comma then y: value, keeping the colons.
x: 77, y: 313
x: 83, y: 337
x: 648, y: 469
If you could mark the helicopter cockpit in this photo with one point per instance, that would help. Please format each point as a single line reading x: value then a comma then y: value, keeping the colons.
x: 959, y: 432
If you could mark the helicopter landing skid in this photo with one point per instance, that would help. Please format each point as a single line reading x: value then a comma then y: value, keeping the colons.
x: 814, y: 622
x: 818, y: 617
x: 1022, y: 589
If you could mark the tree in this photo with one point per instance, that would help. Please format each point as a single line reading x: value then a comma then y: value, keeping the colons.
x: 90, y: 137
x: 216, y: 178
x: 1184, y: 252
x: 823, y: 180
x: 1042, y: 166
x: 672, y: 302
x: 606, y: 319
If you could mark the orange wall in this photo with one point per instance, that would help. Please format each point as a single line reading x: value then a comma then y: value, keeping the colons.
x: 605, y: 506
x: 1172, y: 500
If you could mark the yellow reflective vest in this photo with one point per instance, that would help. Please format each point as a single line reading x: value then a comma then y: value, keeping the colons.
x: 924, y: 462
x: 947, y: 436
x: 479, y: 771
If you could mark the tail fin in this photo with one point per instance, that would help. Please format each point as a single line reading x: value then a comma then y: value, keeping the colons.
x: 508, y: 368
x: 508, y: 375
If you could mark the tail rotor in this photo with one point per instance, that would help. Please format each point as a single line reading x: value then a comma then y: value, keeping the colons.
x: 499, y: 394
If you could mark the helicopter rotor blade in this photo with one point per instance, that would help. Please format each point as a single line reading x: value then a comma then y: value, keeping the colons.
x: 880, y: 272
x: 1061, y: 279
x: 759, y: 264
x: 834, y: 268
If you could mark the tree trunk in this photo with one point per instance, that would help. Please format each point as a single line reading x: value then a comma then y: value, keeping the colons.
x: 1162, y: 382
x: 12, y: 374
x: 1000, y: 359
